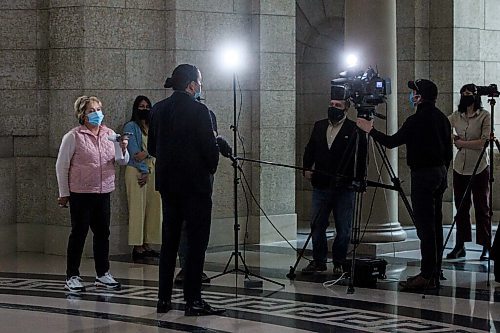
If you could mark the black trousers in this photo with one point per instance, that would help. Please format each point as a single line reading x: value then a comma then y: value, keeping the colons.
x: 88, y: 210
x: 194, y: 209
x: 427, y: 188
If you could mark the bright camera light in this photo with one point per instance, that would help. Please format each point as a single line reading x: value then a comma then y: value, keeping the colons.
x: 352, y: 60
x: 231, y: 57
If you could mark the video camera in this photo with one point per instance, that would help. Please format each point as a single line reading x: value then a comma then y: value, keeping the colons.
x: 365, y: 89
x: 490, y: 91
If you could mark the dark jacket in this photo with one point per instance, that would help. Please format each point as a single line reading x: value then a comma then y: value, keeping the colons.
x: 334, y: 166
x: 427, y: 135
x: 181, y: 138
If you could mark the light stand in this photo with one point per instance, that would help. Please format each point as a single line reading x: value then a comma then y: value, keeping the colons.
x: 236, y: 226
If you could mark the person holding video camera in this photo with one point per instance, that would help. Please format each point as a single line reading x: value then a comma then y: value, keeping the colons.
x: 181, y: 138
x: 472, y: 125
x: 331, y: 153
x: 85, y: 170
x: 427, y: 136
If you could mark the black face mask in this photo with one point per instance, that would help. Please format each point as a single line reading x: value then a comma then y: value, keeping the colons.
x: 335, y: 114
x: 143, y: 114
x: 465, y: 101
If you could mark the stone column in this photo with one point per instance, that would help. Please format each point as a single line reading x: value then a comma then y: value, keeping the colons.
x: 273, y: 123
x: 370, y: 31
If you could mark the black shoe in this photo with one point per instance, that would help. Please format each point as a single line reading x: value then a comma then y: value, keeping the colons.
x: 179, y: 278
x: 314, y: 267
x: 201, y: 308
x: 204, y: 278
x: 485, y: 255
x: 338, y: 270
x: 457, y: 252
x: 418, y: 282
x: 138, y: 255
x: 163, y: 306
x: 152, y: 253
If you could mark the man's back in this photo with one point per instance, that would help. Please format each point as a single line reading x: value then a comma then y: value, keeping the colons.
x: 182, y: 140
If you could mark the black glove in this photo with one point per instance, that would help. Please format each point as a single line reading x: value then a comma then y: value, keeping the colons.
x: 224, y: 147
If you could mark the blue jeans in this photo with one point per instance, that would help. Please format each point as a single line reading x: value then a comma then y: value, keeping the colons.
x: 340, y: 201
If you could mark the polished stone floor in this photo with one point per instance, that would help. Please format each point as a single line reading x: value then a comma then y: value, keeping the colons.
x: 32, y: 298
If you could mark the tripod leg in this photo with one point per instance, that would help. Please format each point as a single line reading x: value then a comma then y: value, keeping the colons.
x: 356, y: 229
x: 395, y: 180
x: 225, y: 271
x: 291, y: 274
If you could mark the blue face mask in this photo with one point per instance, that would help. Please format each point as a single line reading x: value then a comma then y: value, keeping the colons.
x: 410, y: 99
x: 95, y: 118
x: 197, y: 93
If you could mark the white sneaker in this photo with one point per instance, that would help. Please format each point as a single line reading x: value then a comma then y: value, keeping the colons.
x: 74, y: 284
x: 107, y: 281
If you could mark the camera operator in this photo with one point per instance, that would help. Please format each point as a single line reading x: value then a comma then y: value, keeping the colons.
x: 331, y: 150
x: 427, y: 135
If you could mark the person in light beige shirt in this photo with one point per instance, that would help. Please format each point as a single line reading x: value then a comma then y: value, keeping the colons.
x: 472, y: 126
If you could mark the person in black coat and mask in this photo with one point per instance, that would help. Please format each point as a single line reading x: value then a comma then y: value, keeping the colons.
x: 429, y: 151
x: 182, y: 140
x: 331, y: 153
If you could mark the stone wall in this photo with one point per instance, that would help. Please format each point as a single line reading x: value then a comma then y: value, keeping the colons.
x: 476, y: 60
x: 54, y: 51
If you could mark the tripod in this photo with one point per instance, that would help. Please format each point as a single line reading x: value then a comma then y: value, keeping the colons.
x: 360, y: 188
x: 357, y: 216
x: 236, y: 254
x: 487, y: 144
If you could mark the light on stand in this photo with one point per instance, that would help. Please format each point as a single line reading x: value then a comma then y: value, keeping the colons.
x: 351, y: 60
x: 231, y: 58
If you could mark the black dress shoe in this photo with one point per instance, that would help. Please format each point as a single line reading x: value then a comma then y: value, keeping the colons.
x: 201, y: 308
x: 138, y: 255
x: 457, y: 252
x: 485, y: 255
x: 152, y: 253
x: 163, y: 306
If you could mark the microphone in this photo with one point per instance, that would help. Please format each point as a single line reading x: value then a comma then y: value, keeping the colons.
x: 224, y: 147
x: 118, y: 138
x: 379, y: 115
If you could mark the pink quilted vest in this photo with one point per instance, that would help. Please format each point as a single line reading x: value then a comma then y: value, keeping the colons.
x: 92, y: 168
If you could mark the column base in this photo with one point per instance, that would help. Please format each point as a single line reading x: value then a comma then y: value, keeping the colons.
x: 375, y: 249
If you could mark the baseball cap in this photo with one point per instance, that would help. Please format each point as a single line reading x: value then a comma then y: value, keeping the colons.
x: 425, y: 88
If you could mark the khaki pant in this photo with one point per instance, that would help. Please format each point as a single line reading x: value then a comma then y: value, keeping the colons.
x: 144, y: 209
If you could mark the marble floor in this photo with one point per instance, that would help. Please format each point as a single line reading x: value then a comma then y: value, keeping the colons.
x: 32, y: 298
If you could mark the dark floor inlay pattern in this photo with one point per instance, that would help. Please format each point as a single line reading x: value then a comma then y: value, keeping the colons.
x: 278, y: 311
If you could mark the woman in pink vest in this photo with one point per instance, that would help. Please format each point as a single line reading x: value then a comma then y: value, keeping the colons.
x: 85, y: 170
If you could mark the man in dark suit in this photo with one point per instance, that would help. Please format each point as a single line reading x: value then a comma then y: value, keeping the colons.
x: 332, y: 150
x: 181, y: 138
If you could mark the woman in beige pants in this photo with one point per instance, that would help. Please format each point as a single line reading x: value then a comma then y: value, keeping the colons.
x: 144, y: 203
